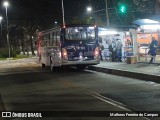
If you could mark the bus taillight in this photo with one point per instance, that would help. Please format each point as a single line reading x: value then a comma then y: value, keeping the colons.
x: 96, y: 52
x: 64, y: 53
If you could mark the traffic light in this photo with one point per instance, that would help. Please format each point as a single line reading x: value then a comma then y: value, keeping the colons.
x: 123, y: 8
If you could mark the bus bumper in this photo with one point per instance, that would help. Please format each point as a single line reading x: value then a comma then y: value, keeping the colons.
x: 73, y: 63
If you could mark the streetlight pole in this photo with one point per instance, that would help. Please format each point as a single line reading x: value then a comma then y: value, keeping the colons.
x: 63, y: 12
x: 6, y: 4
x: 1, y: 28
x: 107, y: 15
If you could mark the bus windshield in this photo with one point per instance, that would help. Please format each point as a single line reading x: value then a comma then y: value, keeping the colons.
x: 79, y: 33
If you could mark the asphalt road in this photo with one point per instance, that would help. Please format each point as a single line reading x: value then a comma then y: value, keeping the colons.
x: 24, y: 86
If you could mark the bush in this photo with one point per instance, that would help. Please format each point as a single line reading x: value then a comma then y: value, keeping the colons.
x: 18, y: 52
x: 13, y: 53
x: 4, y: 53
x: 21, y: 56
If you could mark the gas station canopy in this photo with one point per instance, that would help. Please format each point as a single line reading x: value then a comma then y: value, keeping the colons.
x: 145, y: 22
x: 148, y: 24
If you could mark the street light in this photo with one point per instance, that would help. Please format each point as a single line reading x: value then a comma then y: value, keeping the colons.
x: 6, y: 4
x: 55, y: 23
x: 89, y: 9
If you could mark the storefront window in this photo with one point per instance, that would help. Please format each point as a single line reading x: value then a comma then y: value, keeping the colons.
x: 144, y: 41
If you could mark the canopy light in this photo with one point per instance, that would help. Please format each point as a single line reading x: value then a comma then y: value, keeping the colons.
x: 150, y: 26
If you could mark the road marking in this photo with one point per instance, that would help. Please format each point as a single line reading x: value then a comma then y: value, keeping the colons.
x: 97, y: 95
x: 108, y: 100
x: 100, y: 97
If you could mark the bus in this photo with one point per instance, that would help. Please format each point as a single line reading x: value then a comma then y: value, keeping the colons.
x: 69, y: 45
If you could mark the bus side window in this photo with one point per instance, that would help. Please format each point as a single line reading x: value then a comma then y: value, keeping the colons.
x: 53, y: 39
x: 46, y: 40
x: 42, y: 43
x: 45, y: 43
x: 52, y: 34
x: 58, y: 38
x: 49, y: 39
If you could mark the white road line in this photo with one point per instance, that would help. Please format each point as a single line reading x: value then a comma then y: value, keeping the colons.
x: 100, y: 97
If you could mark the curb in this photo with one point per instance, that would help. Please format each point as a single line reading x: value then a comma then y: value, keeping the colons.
x: 141, y: 76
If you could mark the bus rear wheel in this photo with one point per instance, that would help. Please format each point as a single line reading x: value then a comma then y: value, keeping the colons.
x: 42, y: 65
x: 51, y: 66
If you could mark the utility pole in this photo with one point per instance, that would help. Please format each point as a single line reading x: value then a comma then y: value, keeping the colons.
x: 63, y: 13
x: 6, y: 4
x: 107, y: 15
x: 1, y: 31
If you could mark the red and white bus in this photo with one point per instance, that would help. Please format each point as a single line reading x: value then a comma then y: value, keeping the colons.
x: 70, y: 45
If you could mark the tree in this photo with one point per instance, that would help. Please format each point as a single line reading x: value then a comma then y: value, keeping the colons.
x: 85, y: 20
x: 29, y: 31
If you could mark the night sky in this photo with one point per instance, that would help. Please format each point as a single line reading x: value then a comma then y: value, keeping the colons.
x: 39, y: 10
x: 43, y: 11
x: 46, y: 12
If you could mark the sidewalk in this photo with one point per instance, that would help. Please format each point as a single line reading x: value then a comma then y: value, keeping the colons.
x: 143, y: 71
